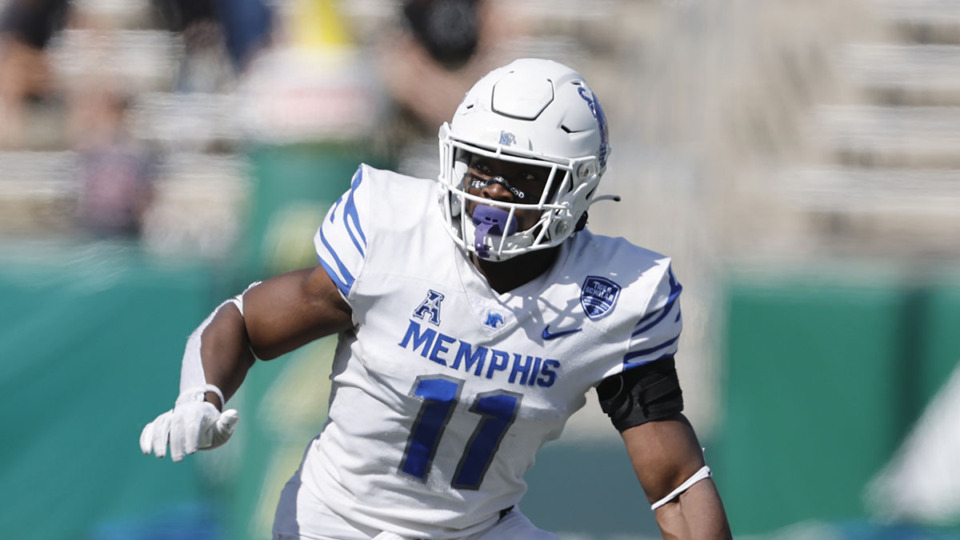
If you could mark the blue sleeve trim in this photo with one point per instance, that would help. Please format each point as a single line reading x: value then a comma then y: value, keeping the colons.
x: 636, y: 354
x: 663, y: 312
x: 675, y: 290
x: 344, y: 289
x: 351, y: 216
x: 348, y: 277
x: 630, y: 365
x: 333, y: 209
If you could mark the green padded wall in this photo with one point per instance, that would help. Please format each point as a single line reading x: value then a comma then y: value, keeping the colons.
x: 824, y: 376
x: 89, y: 350
x: 811, y: 399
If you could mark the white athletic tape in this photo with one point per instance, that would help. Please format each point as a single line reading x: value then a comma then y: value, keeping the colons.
x: 704, y: 472
x: 198, y: 393
x: 192, y: 376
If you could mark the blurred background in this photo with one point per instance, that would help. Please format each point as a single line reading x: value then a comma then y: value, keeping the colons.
x: 800, y: 161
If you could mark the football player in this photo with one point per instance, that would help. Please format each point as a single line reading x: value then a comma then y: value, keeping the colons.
x: 474, y: 313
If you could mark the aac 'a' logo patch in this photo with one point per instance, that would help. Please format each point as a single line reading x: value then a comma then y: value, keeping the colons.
x: 598, y: 296
x: 429, y: 309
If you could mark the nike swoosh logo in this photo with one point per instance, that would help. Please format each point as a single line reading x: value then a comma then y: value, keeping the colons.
x: 547, y: 335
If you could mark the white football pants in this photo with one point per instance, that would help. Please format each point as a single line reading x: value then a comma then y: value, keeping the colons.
x: 295, y: 522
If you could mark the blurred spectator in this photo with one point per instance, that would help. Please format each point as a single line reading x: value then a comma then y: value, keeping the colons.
x: 248, y: 26
x: 433, y: 56
x: 212, y: 29
x: 439, y: 48
x: 26, y: 27
x: 447, y: 29
x: 116, y: 172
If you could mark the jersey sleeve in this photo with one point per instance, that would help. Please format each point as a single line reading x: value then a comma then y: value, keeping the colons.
x: 656, y: 334
x: 341, y: 240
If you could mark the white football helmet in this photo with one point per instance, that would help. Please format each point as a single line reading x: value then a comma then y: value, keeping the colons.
x: 534, y: 112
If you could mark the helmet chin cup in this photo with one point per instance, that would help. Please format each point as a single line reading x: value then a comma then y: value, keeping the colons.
x: 490, y: 221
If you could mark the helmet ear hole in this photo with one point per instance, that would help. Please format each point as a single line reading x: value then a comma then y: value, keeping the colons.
x: 585, y: 171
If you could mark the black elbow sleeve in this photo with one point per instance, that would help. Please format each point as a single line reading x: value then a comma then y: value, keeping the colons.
x: 642, y: 394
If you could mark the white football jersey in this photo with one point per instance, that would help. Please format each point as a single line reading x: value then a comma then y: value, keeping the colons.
x: 445, y: 389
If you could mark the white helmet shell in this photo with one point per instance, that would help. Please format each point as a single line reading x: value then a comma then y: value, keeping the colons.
x: 536, y: 112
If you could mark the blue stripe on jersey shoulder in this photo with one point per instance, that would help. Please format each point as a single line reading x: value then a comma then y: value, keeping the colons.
x: 659, y: 315
x: 345, y: 285
x: 333, y: 209
x: 675, y: 289
x: 350, y: 214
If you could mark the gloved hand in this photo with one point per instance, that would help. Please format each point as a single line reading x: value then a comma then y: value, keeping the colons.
x: 191, y: 425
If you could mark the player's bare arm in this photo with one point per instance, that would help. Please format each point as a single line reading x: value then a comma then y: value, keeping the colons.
x: 279, y: 315
x: 667, y: 455
x: 268, y: 319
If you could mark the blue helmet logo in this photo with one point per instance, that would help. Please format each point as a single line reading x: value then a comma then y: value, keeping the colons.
x: 597, y: 111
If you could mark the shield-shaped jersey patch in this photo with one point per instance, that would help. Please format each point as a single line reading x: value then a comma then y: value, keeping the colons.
x: 598, y: 296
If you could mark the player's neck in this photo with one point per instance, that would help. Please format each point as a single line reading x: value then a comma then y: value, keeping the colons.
x: 508, y: 275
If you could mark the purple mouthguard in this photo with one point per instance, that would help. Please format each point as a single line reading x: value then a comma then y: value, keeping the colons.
x: 490, y: 220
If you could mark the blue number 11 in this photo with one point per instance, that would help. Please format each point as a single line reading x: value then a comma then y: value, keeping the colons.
x: 440, y: 395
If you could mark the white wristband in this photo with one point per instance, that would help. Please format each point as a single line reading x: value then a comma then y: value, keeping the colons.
x: 704, y: 472
x: 198, y: 393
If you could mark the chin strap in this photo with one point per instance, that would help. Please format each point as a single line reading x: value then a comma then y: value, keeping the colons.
x: 614, y: 198
x: 582, y: 222
x: 490, y: 220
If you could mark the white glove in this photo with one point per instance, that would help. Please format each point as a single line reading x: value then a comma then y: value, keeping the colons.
x: 192, y: 424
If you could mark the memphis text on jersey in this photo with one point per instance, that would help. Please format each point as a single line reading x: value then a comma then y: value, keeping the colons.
x: 460, y: 355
